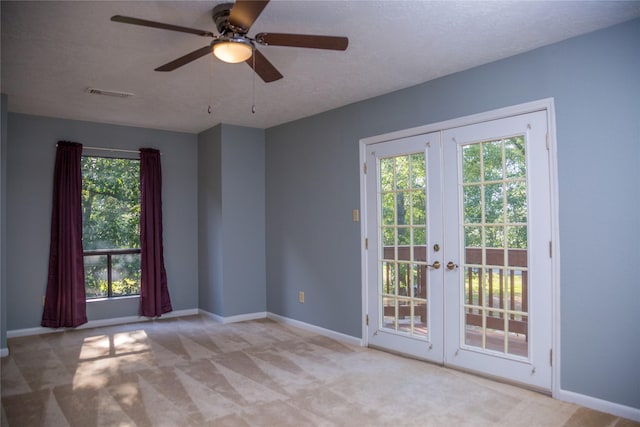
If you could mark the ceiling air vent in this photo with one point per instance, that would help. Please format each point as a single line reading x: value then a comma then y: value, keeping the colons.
x: 105, y: 92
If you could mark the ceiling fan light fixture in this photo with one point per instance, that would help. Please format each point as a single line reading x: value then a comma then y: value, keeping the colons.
x: 232, y: 49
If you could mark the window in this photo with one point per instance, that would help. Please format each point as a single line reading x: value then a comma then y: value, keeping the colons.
x: 111, y: 226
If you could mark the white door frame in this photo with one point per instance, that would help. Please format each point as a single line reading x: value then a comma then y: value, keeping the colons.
x: 547, y: 105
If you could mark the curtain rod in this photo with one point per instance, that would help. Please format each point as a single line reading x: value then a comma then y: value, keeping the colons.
x: 111, y: 149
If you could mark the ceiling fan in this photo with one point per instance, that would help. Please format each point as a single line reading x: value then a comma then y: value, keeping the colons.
x: 233, y: 45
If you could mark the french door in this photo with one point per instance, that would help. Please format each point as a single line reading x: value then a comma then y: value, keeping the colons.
x: 404, y: 199
x: 458, y: 225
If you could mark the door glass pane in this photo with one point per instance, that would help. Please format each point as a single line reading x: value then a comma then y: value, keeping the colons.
x: 472, y: 204
x: 516, y: 202
x: 418, y: 208
x: 402, y: 172
x: 388, y: 209
x: 420, y: 318
x: 473, y: 237
x: 388, y: 278
x: 405, y: 315
x: 495, y: 212
x: 514, y: 159
x: 418, y: 171
x: 471, y: 163
x: 389, y: 316
x: 493, y: 203
x: 388, y: 239
x: 404, y: 280
x: 404, y: 237
x: 493, y: 236
x: 492, y: 158
x: 386, y: 169
x: 403, y: 202
x: 419, y: 244
x: 403, y: 287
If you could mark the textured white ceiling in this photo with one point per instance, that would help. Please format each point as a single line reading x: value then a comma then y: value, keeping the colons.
x: 53, y: 51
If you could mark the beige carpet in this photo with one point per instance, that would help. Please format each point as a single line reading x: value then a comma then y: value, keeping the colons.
x: 193, y: 371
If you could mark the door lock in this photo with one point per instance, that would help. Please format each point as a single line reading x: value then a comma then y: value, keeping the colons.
x: 435, y: 265
x: 451, y: 265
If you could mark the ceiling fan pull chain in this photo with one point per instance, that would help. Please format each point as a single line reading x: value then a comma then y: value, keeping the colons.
x: 253, y: 89
x: 210, y: 82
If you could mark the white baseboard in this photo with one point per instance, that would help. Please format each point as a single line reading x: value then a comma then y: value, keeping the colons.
x: 233, y: 319
x: 245, y: 317
x: 281, y: 319
x: 317, y: 329
x: 99, y: 323
x: 210, y: 315
x: 599, y: 404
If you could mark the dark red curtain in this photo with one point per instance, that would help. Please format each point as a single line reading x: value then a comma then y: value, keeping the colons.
x: 65, y: 301
x: 154, y: 293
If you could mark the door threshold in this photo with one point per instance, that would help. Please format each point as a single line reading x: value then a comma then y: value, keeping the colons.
x: 405, y: 355
x: 500, y: 380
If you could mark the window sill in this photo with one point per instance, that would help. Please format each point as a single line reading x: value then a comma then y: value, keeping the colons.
x: 89, y: 301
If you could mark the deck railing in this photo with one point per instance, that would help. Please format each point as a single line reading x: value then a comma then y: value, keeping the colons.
x: 501, y: 294
x: 497, y: 293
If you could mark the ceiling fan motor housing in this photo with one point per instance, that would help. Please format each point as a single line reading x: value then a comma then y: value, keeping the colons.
x: 221, y: 18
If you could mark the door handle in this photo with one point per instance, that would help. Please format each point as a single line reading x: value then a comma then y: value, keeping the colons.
x: 435, y: 265
x: 451, y: 266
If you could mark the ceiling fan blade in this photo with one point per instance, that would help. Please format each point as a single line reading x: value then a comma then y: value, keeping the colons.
x: 303, y: 40
x: 245, y: 12
x: 161, y: 25
x: 263, y: 67
x: 183, y: 60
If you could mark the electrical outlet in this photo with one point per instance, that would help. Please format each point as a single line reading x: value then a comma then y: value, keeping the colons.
x: 301, y: 297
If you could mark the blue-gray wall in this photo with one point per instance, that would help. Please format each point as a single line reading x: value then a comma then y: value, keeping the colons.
x: 312, y: 243
x: 231, y: 215
x: 210, y: 287
x: 313, y: 184
x: 243, y: 216
x: 30, y: 160
x: 3, y: 223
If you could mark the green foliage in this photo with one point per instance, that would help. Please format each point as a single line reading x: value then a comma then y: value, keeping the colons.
x: 111, y: 220
x: 124, y: 287
x: 110, y: 203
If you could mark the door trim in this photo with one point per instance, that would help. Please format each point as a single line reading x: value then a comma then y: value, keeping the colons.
x: 547, y: 105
